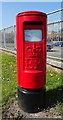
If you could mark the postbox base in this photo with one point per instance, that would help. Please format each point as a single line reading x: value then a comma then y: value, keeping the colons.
x: 31, y: 100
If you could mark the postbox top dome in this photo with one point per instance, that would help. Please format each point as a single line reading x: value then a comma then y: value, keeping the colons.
x: 31, y: 13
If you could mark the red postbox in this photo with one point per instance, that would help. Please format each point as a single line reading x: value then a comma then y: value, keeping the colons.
x: 31, y: 32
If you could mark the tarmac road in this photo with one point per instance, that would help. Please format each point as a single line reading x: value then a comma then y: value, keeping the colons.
x: 57, y: 51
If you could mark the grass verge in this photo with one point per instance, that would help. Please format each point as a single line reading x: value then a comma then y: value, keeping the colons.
x: 54, y: 84
x: 9, y: 82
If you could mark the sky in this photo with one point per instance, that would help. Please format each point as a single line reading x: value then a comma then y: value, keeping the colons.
x: 10, y: 9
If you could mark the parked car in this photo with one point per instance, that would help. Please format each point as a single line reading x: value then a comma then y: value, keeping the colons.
x: 60, y: 43
x: 49, y: 44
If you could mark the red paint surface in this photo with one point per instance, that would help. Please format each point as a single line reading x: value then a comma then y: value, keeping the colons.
x: 31, y: 56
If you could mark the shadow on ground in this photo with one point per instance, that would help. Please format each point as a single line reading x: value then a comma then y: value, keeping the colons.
x: 54, y: 96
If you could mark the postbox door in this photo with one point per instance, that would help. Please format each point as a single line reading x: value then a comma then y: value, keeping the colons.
x: 33, y: 38
x: 33, y: 50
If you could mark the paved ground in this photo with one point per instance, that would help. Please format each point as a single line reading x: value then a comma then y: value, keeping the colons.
x: 14, y: 111
x: 55, y: 63
x: 56, y: 52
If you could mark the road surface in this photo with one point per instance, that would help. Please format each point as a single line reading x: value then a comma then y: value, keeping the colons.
x: 57, y: 51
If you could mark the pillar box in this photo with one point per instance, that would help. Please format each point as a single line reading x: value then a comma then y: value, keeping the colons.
x: 31, y: 34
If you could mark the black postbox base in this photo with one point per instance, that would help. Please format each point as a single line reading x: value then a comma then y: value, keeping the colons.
x: 31, y: 100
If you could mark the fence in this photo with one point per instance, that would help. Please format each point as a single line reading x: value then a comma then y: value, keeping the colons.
x: 54, y: 31
x: 8, y: 37
x: 55, y: 28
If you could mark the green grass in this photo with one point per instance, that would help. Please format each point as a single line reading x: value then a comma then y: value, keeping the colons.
x: 54, y: 91
x: 9, y: 82
x: 54, y: 84
x: 53, y: 80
